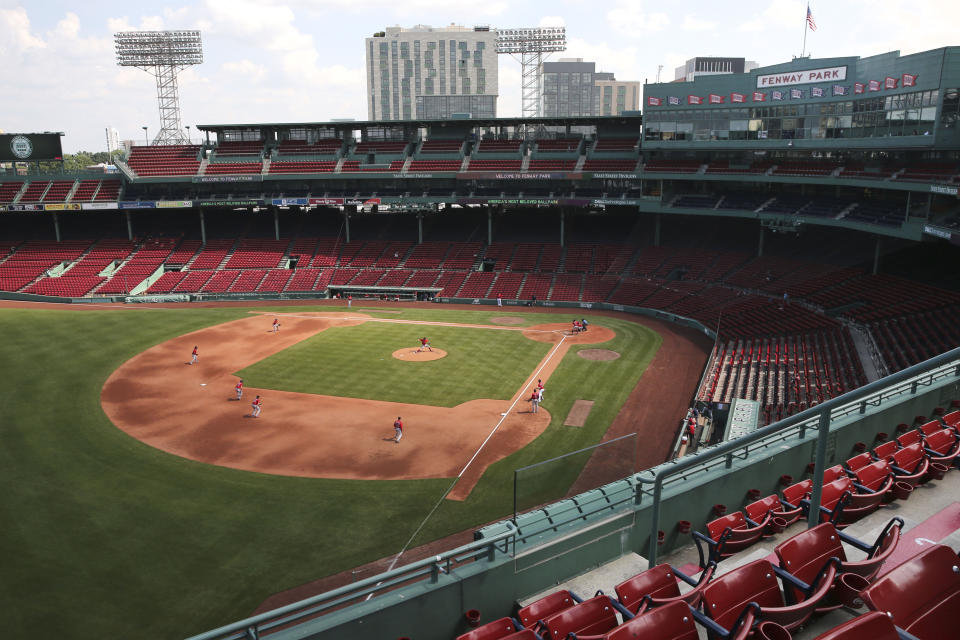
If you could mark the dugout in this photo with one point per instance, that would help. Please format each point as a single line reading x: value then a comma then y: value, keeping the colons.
x: 378, y: 293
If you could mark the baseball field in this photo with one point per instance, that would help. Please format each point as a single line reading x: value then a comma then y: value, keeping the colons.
x: 141, y: 499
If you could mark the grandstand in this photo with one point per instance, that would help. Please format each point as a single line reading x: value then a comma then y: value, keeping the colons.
x: 815, y: 251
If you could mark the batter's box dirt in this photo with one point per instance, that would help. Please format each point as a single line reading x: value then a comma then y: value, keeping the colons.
x: 412, y: 355
x: 598, y: 354
x: 578, y: 413
x: 508, y: 320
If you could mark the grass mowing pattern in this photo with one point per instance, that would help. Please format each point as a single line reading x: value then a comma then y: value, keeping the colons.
x: 105, y: 536
x: 355, y: 362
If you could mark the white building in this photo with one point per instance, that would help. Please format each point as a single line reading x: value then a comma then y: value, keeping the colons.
x: 113, y: 139
x: 712, y: 66
x: 431, y: 73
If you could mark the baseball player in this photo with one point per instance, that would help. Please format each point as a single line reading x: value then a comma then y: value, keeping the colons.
x: 195, y: 355
x: 276, y: 325
x: 397, y: 429
x: 257, y: 404
x: 239, y: 389
x: 424, y: 344
x: 535, y: 401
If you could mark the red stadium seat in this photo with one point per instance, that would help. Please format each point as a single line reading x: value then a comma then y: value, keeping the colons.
x: 725, y: 597
x: 728, y: 535
x: 942, y: 447
x: 674, y: 621
x: 545, y: 607
x: 922, y: 595
x: 772, y: 505
x: 497, y: 630
x: 870, y: 626
x: 660, y: 586
x: 804, y: 554
x: 592, y: 617
x: 910, y: 465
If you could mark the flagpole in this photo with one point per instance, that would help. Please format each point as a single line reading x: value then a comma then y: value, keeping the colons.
x: 806, y: 25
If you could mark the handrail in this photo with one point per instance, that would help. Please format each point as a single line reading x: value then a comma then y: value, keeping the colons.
x: 443, y: 563
x: 852, y: 402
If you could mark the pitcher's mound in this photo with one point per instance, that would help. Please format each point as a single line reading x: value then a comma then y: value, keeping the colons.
x: 410, y: 354
x: 598, y: 354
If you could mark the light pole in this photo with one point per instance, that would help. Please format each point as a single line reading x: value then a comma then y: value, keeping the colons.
x: 145, y: 139
x: 188, y: 134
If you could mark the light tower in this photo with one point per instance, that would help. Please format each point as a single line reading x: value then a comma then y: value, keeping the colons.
x: 162, y: 54
x: 533, y: 45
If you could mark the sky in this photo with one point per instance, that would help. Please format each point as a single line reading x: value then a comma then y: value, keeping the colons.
x: 303, y: 60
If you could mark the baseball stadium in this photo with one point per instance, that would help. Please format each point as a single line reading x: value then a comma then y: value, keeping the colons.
x: 740, y: 309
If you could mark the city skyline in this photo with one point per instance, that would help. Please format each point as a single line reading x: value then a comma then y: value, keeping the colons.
x: 303, y: 60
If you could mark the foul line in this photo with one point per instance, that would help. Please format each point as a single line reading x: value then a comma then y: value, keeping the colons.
x: 393, y: 563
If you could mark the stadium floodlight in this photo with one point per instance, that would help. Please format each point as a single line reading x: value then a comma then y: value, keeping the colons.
x: 162, y: 54
x: 532, y: 45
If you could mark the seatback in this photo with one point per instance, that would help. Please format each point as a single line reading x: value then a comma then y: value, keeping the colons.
x: 758, y: 510
x: 670, y: 622
x: 859, y: 461
x: 833, y: 491
x: 870, y: 626
x: 591, y: 617
x: 922, y: 595
x: 657, y: 582
x: 491, y: 631
x: 727, y: 596
x: 833, y: 473
x: 909, y: 438
x: 942, y: 441
x: 804, y: 554
x: 797, y: 492
x: 545, y: 607
x: 885, y: 450
x: 908, y: 457
x: 952, y: 418
x: 874, y: 476
x: 735, y: 520
x: 935, y: 425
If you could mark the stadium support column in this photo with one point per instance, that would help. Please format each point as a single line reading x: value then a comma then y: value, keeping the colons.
x: 346, y: 225
x: 760, y: 244
x: 563, y: 215
x: 876, y: 255
x: 56, y: 226
x: 419, y: 227
x: 489, y: 225
x: 656, y: 230
x: 276, y: 222
x: 129, y: 226
x: 203, y: 228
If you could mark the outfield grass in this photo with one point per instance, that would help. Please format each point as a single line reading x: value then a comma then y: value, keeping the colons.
x: 356, y: 362
x: 104, y: 536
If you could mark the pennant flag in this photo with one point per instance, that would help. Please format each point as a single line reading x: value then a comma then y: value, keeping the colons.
x: 777, y: 95
x: 796, y: 94
x: 654, y: 102
x: 694, y: 100
x: 810, y: 22
x: 673, y: 100
x: 737, y: 97
x: 816, y: 92
x: 715, y: 99
x: 759, y: 96
x: 874, y: 85
x: 908, y: 80
x: 839, y: 90
x: 890, y: 83
x: 858, y: 87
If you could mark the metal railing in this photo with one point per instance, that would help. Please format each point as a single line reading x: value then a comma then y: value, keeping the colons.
x: 854, y: 403
x: 428, y: 569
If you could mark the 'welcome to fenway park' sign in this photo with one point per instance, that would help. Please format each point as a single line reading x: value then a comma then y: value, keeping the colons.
x: 826, y: 74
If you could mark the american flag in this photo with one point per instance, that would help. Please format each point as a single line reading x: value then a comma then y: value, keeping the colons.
x: 810, y: 22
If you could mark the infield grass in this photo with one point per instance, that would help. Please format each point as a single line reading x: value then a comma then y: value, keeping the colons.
x: 104, y: 536
x: 356, y: 362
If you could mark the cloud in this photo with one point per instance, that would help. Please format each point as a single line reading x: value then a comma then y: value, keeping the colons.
x: 552, y: 21
x: 16, y: 27
x: 693, y: 24
x: 629, y: 18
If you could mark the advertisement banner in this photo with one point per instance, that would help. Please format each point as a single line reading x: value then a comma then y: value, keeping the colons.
x: 62, y: 207
x: 98, y: 206
x: 825, y: 74
x: 614, y: 175
x: 30, y: 147
x: 517, y: 175
x: 136, y: 205
x: 24, y: 207
x: 246, y: 178
x: 287, y: 202
x: 174, y: 204
x: 230, y: 203
x: 326, y: 202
